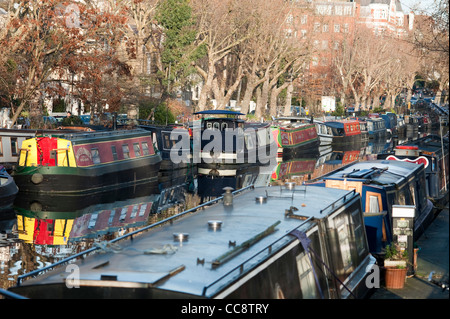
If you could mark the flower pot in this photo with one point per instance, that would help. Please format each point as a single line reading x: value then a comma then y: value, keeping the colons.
x: 395, y: 277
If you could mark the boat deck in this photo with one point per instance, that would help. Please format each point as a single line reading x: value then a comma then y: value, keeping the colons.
x: 210, y: 259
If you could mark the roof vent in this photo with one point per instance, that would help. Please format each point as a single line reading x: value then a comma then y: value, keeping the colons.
x: 261, y: 199
x: 180, y: 237
x: 215, y: 224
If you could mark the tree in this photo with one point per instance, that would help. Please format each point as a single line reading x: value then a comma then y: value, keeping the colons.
x: 177, y: 52
x: 51, y: 41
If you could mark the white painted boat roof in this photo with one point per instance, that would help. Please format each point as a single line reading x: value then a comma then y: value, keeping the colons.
x: 133, y: 264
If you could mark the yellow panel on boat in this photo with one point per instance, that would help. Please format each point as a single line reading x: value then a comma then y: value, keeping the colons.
x: 28, y: 153
x: 25, y: 227
x: 62, y: 231
x: 65, y: 153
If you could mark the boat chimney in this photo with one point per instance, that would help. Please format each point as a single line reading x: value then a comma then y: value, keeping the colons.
x: 228, y: 196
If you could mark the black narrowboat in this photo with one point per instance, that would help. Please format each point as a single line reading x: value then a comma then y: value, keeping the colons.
x: 224, y: 143
x: 85, y: 162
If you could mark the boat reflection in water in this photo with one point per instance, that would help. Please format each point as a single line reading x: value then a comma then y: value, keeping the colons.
x: 63, y: 219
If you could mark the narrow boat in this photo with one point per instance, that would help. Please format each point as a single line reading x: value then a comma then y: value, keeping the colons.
x: 8, y: 189
x: 432, y: 152
x: 11, y: 140
x: 173, y: 143
x: 323, y: 131
x: 412, y: 125
x: 383, y: 183
x: 364, y: 129
x: 224, y: 143
x: 295, y: 138
x: 275, y: 242
x: 390, y: 120
x: 401, y: 126
x: 376, y: 128
x: 345, y: 131
x: 62, y: 220
x: 86, y: 162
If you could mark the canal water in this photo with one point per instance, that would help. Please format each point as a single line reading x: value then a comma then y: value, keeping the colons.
x: 41, y: 231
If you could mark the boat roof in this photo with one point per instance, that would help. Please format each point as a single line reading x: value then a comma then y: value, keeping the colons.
x: 430, y: 143
x: 219, y: 112
x: 156, y: 258
x: 339, y: 124
x: 382, y: 172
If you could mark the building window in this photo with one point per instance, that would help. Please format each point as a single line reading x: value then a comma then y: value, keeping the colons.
x: 316, y: 27
x: 290, y: 19
x: 303, y: 33
x: 126, y: 151
x: 336, y: 45
x: 304, y: 19
x: 337, y: 28
x: 338, y: 10
x: 324, y: 44
x: 325, y: 28
x: 348, y: 10
x: 345, y: 27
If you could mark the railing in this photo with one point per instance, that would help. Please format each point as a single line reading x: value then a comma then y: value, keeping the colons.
x: 129, y: 235
x: 240, y: 269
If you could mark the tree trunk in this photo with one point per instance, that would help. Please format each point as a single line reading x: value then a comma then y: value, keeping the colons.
x: 287, y: 103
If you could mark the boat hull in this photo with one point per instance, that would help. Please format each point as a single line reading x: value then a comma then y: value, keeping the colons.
x: 53, y: 179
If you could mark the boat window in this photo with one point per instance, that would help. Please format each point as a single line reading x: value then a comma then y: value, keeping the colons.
x: 167, y: 143
x: 373, y: 202
x: 358, y: 230
x: 208, y: 125
x: 123, y: 214
x: 137, y: 149
x: 216, y: 125
x: 93, y: 220
x: 306, y: 276
x: 142, y: 209
x: 14, y: 148
x: 145, y: 150
x: 248, y: 141
x: 126, y: 151
x: 224, y: 126
x: 95, y: 156
x: 114, y: 152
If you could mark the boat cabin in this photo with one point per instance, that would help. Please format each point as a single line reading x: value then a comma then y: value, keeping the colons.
x: 382, y: 184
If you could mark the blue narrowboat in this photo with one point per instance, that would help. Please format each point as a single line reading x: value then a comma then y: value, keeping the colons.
x: 376, y: 127
x: 432, y: 151
x: 383, y: 183
x: 390, y: 120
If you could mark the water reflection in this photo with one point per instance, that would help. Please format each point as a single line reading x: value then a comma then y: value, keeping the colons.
x: 43, y: 230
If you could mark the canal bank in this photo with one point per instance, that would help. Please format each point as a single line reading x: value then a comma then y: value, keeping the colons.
x: 433, y: 257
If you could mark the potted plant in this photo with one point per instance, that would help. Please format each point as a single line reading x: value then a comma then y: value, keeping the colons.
x: 395, y: 261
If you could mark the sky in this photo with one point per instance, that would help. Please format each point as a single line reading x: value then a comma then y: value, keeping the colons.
x: 426, y: 5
